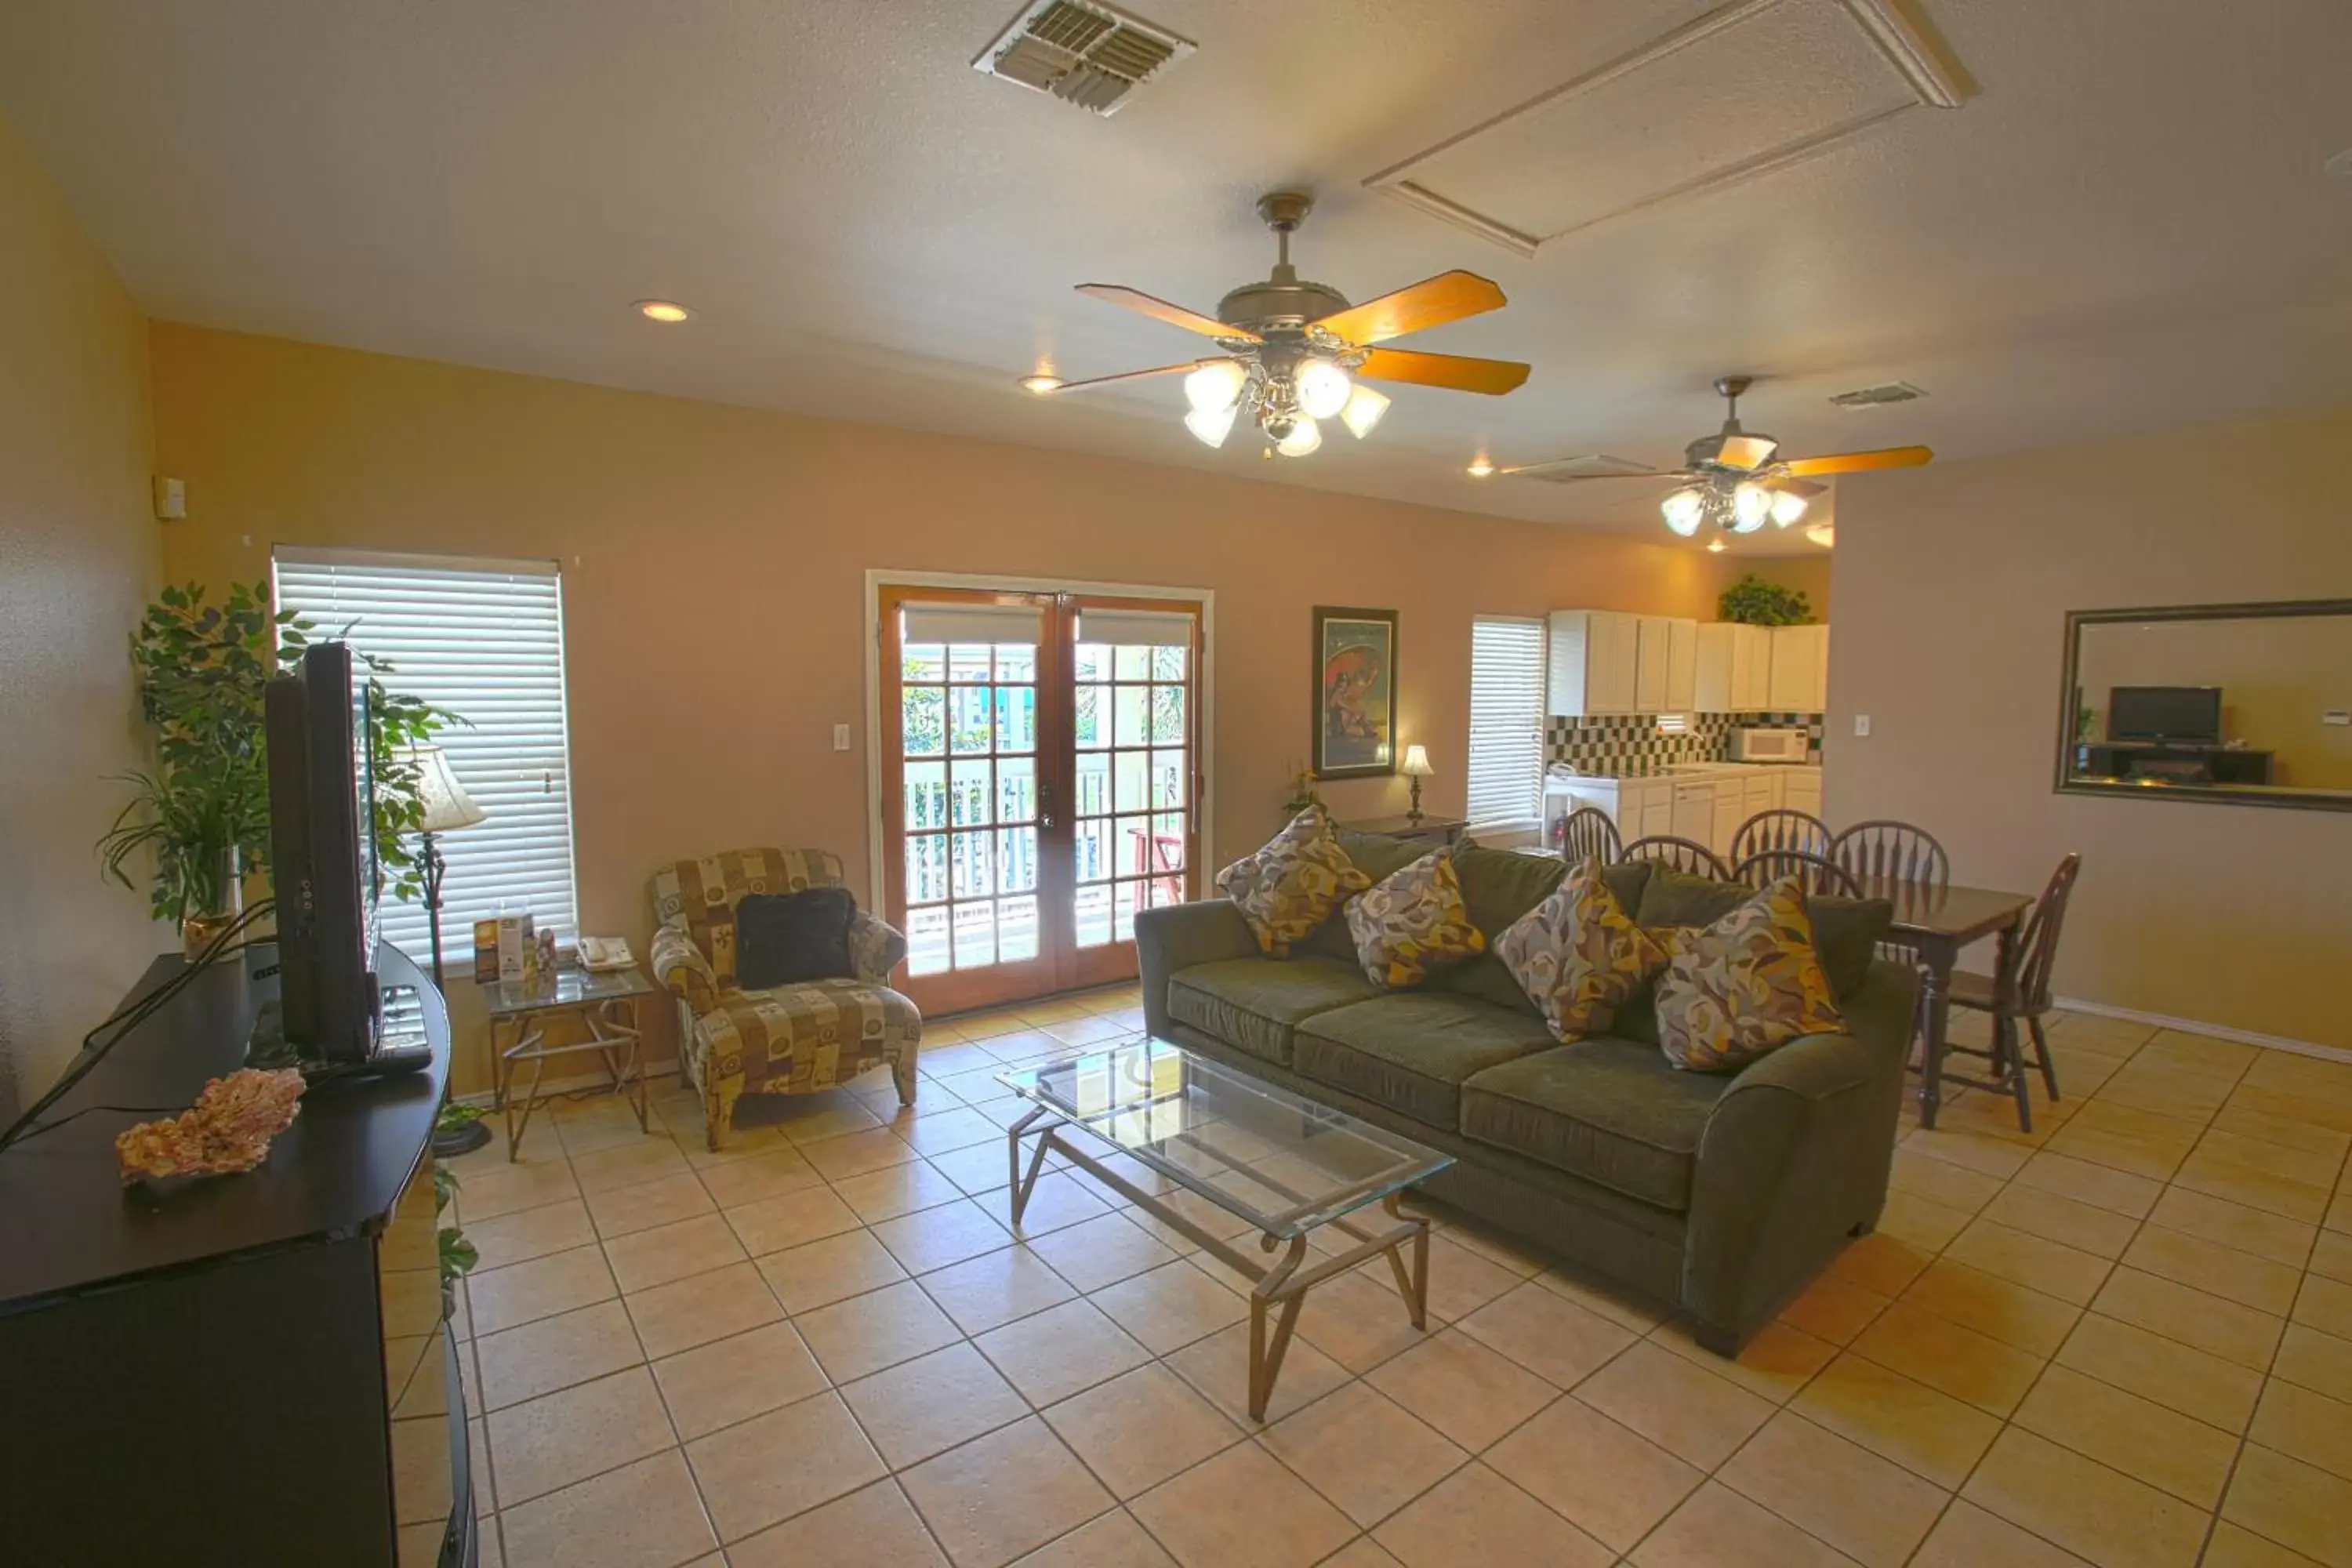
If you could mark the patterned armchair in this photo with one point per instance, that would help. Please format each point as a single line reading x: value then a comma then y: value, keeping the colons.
x: 790, y: 1039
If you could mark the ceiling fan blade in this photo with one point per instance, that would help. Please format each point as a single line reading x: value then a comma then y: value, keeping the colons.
x: 1747, y: 452
x: 1560, y: 473
x: 1432, y: 303
x: 1453, y: 372
x: 1122, y: 376
x: 1857, y: 462
x: 1160, y: 309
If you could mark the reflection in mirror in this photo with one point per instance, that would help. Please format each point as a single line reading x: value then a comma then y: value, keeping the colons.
x: 2245, y: 703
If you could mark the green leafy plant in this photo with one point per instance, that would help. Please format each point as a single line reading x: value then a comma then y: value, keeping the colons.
x: 456, y: 1256
x: 1302, y: 794
x: 1762, y: 604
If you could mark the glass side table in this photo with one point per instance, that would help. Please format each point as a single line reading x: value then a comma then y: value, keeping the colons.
x: 605, y: 1001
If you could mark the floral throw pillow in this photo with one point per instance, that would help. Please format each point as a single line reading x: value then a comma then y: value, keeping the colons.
x: 1413, y: 922
x: 1578, y: 955
x: 1290, y: 887
x: 1746, y: 985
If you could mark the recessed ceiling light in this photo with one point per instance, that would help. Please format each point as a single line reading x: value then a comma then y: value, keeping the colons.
x: 1716, y: 546
x: 1041, y: 383
x: 663, y: 310
x: 1480, y: 467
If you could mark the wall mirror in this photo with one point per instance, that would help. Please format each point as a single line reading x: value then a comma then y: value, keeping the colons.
x: 2246, y: 704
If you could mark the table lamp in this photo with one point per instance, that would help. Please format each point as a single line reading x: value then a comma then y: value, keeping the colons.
x: 447, y: 807
x: 1416, y: 768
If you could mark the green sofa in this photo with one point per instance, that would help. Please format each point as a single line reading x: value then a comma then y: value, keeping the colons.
x: 1720, y: 1195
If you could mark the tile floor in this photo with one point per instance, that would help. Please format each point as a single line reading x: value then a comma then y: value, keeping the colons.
x: 2124, y: 1340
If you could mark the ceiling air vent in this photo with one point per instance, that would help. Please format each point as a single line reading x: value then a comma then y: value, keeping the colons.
x: 1082, y: 52
x: 1872, y: 396
x: 1595, y: 465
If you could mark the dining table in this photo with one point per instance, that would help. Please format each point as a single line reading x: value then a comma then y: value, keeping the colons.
x: 1936, y: 921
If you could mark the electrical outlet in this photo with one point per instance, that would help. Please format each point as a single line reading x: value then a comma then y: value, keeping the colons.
x: 841, y: 737
x: 1862, y: 725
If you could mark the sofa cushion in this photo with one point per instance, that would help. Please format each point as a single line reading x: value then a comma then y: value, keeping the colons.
x: 1413, y: 923
x: 1746, y: 985
x: 1501, y: 885
x: 1611, y: 1111
x: 1410, y: 1051
x: 1378, y: 856
x: 1678, y: 899
x: 1254, y: 1003
x: 1578, y: 954
x: 1290, y: 886
x: 1846, y: 934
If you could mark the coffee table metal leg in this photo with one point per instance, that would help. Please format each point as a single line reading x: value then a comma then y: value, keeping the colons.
x: 1024, y: 1185
x: 1265, y: 1360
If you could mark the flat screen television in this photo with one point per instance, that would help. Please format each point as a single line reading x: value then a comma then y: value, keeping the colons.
x: 2182, y: 715
x: 322, y: 853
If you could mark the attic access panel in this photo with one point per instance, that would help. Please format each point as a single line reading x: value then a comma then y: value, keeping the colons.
x: 1750, y: 86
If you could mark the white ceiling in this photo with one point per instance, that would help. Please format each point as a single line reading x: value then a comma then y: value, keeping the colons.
x: 2127, y: 226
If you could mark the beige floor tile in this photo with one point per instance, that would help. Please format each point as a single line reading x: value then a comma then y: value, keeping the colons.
x: 1969, y: 1537
x: 734, y: 1379
x: 2200, y: 1054
x: 701, y: 1308
x: 2053, y: 1216
x: 1930, y: 1434
x: 627, y: 1164
x: 1604, y: 1298
x: 556, y: 1352
x: 2216, y: 1270
x: 790, y: 1219
x: 2324, y: 1304
x: 551, y: 1442
x: 1837, y: 1491
x: 559, y: 1282
x: 1948, y: 1357
x: 856, y: 1154
x: 819, y: 1273
x: 2124, y: 1432
x: 2190, y: 1096
x: 1176, y: 1303
x: 999, y: 1496
x: 2340, y: 1211
x: 985, y: 1292
x: 2294, y: 1504
x: 489, y: 1192
x: 2086, y: 1182
x: 1362, y: 1553
x: 2083, y: 1506
x: 896, y: 1190
x: 946, y: 1131
x: 2050, y: 1267
x: 1675, y: 1404
x: 1545, y: 1333
x: 812, y: 1118
x: 527, y: 1234
x: 935, y: 1238
x: 1471, y: 1393
x: 1060, y: 1199
x: 621, y: 1211
x: 766, y: 1175
x: 1241, y: 1509
x: 1994, y: 1157
x: 866, y: 1333
x: 1929, y: 1226
x: 872, y: 1528
x: 1054, y: 1354
x: 1363, y: 1452
x: 644, y: 1515
x: 2235, y: 1547
x: 2220, y: 1177
x: 1218, y: 1368
x: 2258, y: 1231
x: 2313, y: 1427
x: 2151, y: 1160
x: 2012, y: 1313
x: 1099, y: 1252
x: 1834, y: 1310
x: 784, y: 1463
x: 1607, y: 1479
x: 1718, y: 1528
x: 645, y: 1259
x: 1114, y: 1540
x: 1773, y: 1364
x: 1941, y: 1181
x: 2294, y: 1160
x: 2315, y: 1359
x: 1140, y: 1429
x: 2170, y: 1131
x: 928, y: 1405
x: 2293, y: 1105
x: 1476, y: 1516
x: 2216, y: 1392
x: 1882, y: 1263
x: 2331, y: 1257
x: 2208, y: 1323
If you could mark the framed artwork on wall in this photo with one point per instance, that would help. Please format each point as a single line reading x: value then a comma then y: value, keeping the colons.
x: 1355, y: 692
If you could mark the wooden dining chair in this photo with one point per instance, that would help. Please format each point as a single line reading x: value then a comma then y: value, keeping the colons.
x: 1781, y: 827
x: 1891, y: 854
x: 2021, y: 995
x: 1814, y: 873
x: 1588, y: 832
x: 1683, y: 855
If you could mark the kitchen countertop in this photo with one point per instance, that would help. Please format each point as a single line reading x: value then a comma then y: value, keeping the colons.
x: 1673, y: 770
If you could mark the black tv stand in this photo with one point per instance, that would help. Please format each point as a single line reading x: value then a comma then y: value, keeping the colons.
x: 2170, y: 764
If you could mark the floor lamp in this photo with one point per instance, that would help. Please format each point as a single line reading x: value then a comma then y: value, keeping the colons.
x: 447, y: 807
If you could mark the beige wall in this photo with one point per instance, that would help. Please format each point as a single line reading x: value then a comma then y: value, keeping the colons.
x: 78, y: 556
x: 1952, y: 586
x: 1809, y: 574
x: 714, y: 564
x: 2277, y: 676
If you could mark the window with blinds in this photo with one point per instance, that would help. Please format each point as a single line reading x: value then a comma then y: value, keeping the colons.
x: 1507, y: 725
x: 482, y: 640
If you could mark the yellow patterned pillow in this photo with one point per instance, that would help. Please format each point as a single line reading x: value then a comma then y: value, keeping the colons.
x: 1578, y: 955
x: 1746, y: 985
x: 1413, y: 922
x: 1289, y: 887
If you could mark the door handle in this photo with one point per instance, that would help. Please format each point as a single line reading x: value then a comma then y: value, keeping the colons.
x: 1045, y: 803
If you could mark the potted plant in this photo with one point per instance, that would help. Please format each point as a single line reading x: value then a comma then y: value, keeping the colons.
x: 1762, y: 604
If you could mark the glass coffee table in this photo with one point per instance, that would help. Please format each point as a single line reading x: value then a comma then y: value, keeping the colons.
x: 1280, y: 1162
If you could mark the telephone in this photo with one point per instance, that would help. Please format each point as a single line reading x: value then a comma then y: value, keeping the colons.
x: 599, y: 952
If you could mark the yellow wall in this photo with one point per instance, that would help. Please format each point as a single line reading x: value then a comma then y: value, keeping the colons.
x: 1953, y: 582
x: 714, y: 562
x: 78, y: 557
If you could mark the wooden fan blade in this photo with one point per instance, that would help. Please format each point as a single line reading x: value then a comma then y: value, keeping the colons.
x: 1550, y: 473
x: 1432, y: 303
x: 1453, y: 372
x: 1122, y: 376
x: 1161, y: 310
x: 1857, y: 462
x: 1747, y: 451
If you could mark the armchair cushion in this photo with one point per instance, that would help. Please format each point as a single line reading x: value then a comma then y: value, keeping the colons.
x: 792, y: 1040
x: 789, y: 938
x: 702, y: 894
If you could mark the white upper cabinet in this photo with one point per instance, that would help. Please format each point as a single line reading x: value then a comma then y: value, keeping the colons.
x: 1800, y: 677
x: 1595, y: 660
x: 1733, y: 668
x: 1655, y: 642
x: 1682, y: 665
x: 1751, y: 668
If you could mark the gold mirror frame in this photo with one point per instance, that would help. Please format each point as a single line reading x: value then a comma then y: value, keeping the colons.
x: 2277, y: 796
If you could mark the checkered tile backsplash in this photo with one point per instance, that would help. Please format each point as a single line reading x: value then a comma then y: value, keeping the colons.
x: 1633, y: 742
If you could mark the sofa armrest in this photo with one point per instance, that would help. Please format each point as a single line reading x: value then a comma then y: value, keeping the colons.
x: 680, y: 965
x: 1794, y: 1160
x: 1180, y: 936
x: 876, y: 947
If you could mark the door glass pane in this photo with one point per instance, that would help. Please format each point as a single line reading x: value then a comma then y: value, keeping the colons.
x: 1093, y: 849
x: 1125, y: 899
x: 1091, y: 701
x: 1132, y: 663
x: 1128, y: 726
x: 1167, y: 715
x: 923, y: 661
x: 923, y: 721
x: 970, y: 796
x: 975, y: 935
x: 926, y: 795
x: 1093, y: 785
x: 1016, y: 860
x: 1167, y: 663
x: 1016, y: 661
x: 927, y: 869
x: 1016, y: 789
x: 1094, y: 916
x: 1130, y: 772
x: 1092, y: 662
x: 1016, y: 718
x: 1168, y: 840
x: 1132, y: 844
x: 970, y: 707
x: 1016, y: 930
x: 973, y: 876
x: 971, y: 661
x: 927, y: 940
x: 1167, y: 778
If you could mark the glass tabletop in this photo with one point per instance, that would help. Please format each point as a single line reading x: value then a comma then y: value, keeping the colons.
x: 569, y: 986
x: 1276, y: 1159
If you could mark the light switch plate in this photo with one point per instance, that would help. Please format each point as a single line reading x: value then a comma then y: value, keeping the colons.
x: 2337, y: 716
x: 841, y: 737
x: 1862, y: 725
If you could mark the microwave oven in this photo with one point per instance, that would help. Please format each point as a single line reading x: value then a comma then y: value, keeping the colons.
x: 1766, y: 744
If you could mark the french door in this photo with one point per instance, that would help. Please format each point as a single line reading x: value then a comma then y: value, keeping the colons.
x: 1040, y: 784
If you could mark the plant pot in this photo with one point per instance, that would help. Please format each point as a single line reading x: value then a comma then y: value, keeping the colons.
x: 199, y: 931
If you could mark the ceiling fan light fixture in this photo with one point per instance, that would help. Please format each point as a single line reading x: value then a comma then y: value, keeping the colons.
x: 1787, y: 506
x: 1682, y: 509
x: 1304, y: 438
x: 1322, y: 388
x: 1751, y: 506
x: 1211, y: 426
x: 1363, y: 411
x: 1481, y: 467
x: 1215, y: 387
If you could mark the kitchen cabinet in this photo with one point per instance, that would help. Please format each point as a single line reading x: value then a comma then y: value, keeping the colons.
x: 1682, y: 665
x: 1732, y: 668
x: 1704, y: 802
x: 1653, y: 651
x: 1798, y: 683
x: 1595, y: 656
x: 1801, y: 789
x: 1693, y: 810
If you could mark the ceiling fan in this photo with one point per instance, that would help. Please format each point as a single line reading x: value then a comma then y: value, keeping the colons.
x: 1735, y: 480
x: 1297, y: 353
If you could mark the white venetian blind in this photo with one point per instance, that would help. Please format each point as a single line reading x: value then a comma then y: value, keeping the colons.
x: 1507, y: 723
x: 483, y: 639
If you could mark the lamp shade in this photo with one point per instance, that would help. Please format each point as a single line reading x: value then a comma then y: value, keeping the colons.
x: 1416, y: 763
x: 447, y: 804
